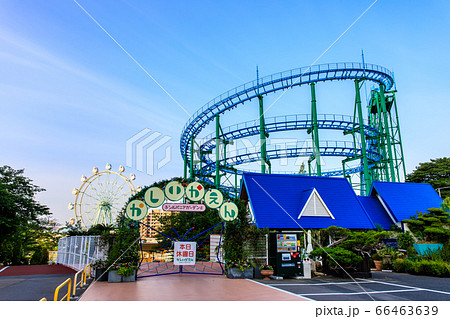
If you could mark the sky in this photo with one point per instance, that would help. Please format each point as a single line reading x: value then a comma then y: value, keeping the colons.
x: 81, y: 78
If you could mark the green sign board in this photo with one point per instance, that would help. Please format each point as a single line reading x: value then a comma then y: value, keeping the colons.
x: 228, y: 211
x: 136, y: 210
x: 154, y: 197
x: 174, y: 191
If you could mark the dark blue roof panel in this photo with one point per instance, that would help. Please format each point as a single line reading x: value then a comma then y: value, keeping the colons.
x: 377, y: 213
x: 277, y: 201
x: 406, y: 199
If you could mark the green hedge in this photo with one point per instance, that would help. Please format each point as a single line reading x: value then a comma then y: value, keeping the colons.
x: 422, y: 267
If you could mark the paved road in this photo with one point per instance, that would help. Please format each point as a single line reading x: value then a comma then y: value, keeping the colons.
x: 30, y: 287
x: 383, y: 286
x: 33, y: 282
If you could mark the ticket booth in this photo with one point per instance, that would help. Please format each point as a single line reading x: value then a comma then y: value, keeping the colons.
x: 286, y: 254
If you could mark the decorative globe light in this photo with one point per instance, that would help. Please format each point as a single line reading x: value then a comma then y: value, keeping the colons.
x: 138, y: 189
x: 132, y: 177
x: 121, y: 169
x: 71, y: 206
x: 72, y: 221
x: 75, y: 191
x: 83, y: 178
x: 108, y: 166
x: 95, y: 170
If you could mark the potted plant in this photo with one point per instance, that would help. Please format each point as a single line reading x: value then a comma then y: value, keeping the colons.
x: 122, y: 273
x: 266, y: 271
x: 377, y: 261
x: 239, y: 269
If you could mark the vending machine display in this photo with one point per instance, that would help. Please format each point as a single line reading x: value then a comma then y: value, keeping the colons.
x: 288, y: 259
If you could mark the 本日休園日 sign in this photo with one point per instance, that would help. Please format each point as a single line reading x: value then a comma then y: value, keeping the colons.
x: 184, y: 253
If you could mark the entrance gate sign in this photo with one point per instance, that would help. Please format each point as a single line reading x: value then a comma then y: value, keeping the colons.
x: 184, y: 253
x: 155, y: 197
x: 174, y: 191
x: 228, y: 211
x: 136, y: 210
x: 184, y: 207
x: 195, y: 191
x: 213, y: 198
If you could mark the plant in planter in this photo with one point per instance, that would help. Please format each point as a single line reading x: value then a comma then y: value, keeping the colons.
x: 124, y: 251
x: 377, y: 261
x: 239, y: 269
x: 266, y: 271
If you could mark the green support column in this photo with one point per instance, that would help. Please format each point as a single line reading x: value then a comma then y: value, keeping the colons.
x: 399, y: 139
x: 262, y: 135
x: 217, y: 178
x: 386, y: 133
x: 315, y: 130
x: 192, y: 174
x: 367, y: 179
x: 185, y: 165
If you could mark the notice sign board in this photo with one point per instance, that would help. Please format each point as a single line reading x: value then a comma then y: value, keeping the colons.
x: 184, y: 253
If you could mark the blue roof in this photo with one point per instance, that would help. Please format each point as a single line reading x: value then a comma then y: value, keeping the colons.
x: 406, y: 199
x: 377, y: 213
x: 277, y: 200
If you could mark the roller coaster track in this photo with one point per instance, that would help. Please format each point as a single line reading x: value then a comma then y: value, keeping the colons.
x: 276, y: 82
x: 284, y: 123
x: 289, y: 150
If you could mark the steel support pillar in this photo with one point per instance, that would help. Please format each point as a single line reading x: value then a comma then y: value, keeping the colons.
x: 262, y: 135
x: 217, y: 177
x: 315, y: 130
x: 366, y: 173
x: 386, y: 133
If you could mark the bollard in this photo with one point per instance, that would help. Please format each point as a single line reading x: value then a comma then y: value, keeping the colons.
x: 306, y: 269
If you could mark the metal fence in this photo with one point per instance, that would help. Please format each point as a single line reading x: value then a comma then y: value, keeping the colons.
x: 78, y: 251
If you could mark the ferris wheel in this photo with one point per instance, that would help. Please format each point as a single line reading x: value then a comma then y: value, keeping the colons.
x: 101, y: 196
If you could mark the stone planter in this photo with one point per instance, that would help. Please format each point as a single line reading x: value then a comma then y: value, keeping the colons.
x: 236, y: 273
x: 98, y: 274
x: 266, y: 273
x: 113, y: 276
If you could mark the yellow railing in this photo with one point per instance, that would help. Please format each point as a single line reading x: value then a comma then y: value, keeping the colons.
x: 69, y: 282
x: 86, y: 272
x: 80, y: 283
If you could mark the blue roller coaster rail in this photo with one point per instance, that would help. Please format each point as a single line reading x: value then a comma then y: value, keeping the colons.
x: 376, y: 145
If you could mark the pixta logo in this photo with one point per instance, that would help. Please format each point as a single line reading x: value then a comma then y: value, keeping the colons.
x: 147, y: 150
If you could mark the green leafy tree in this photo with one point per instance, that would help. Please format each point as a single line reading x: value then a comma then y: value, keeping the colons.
x: 20, y: 215
x: 436, y: 172
x: 430, y: 226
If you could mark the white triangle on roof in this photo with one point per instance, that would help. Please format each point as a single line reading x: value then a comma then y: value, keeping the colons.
x: 315, y: 207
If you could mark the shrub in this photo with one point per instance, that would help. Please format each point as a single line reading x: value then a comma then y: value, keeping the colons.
x: 423, y: 267
x: 399, y: 265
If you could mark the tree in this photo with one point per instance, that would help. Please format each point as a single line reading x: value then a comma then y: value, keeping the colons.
x: 436, y: 172
x: 20, y: 215
x: 430, y: 226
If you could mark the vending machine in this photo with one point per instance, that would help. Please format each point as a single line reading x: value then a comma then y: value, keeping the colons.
x: 288, y: 258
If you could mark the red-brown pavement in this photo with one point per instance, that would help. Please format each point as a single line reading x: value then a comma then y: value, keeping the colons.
x: 186, y: 287
x: 35, y: 270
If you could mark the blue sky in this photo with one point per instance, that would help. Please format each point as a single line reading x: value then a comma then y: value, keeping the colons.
x: 70, y: 98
